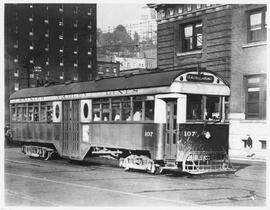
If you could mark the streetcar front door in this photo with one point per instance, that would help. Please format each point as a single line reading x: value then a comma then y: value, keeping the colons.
x: 70, y: 129
x: 171, y: 129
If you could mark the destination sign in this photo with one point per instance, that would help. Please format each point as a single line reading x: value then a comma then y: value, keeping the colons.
x: 199, y: 78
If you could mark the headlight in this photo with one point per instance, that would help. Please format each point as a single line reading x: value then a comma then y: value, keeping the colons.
x: 207, y: 134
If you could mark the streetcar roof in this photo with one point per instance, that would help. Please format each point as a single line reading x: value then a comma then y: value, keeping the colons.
x: 136, y: 81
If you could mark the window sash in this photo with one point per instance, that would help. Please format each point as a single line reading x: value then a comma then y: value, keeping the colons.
x: 256, y: 26
x: 255, y: 97
x: 192, y: 36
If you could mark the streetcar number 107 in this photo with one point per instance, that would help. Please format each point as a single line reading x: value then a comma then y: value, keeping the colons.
x: 190, y: 133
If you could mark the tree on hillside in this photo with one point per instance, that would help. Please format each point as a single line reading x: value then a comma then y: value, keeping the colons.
x: 117, y: 41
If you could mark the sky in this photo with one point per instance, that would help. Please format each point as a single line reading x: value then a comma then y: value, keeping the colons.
x: 119, y: 13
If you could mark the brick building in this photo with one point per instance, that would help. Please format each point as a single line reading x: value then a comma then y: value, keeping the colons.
x: 248, y: 81
x: 229, y: 40
x: 48, y: 43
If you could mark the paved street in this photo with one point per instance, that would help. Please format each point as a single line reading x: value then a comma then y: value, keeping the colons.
x: 58, y: 182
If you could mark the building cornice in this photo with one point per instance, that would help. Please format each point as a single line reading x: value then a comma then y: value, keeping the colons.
x: 193, y: 13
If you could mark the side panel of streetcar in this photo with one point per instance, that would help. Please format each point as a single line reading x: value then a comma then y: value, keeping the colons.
x: 132, y: 136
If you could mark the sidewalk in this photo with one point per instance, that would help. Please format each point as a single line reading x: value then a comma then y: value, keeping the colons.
x: 241, y: 155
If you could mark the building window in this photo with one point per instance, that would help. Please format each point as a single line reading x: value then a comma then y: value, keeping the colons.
x: 171, y: 12
x: 75, y: 64
x: 31, y: 60
x: 180, y: 10
x: 46, y: 20
x: 75, y: 24
x: 16, y: 86
x: 31, y: 33
x: 199, y: 6
x: 31, y: 19
x: 61, y: 36
x: 16, y: 30
x: 16, y: 44
x: 47, y: 62
x: 61, y: 62
x: 16, y: 59
x: 90, y: 25
x: 61, y: 76
x: 89, y: 11
x: 76, y: 77
x: 61, y: 50
x: 47, y: 48
x: 89, y: 65
x: 31, y: 75
x: 61, y: 23
x: 61, y: 8
x: 189, y: 7
x: 263, y: 144
x: 47, y: 33
x: 75, y: 38
x: 16, y: 73
x: 255, y: 97
x: 31, y: 47
x: 192, y: 36
x: 76, y: 10
x: 256, y: 26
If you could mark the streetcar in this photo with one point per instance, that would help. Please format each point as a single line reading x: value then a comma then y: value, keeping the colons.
x: 164, y: 120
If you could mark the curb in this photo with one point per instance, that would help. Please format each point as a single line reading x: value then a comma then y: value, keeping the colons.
x: 248, y: 159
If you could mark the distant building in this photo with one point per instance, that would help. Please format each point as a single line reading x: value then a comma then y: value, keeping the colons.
x: 135, y: 71
x: 49, y: 42
x: 130, y: 63
x: 108, y: 69
x: 150, y: 56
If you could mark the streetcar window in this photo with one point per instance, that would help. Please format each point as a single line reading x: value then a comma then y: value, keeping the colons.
x: 126, y: 109
x: 137, y: 110
x: 30, y: 112
x: 19, y: 113
x: 43, y: 114
x: 116, y: 109
x: 57, y: 111
x: 149, y: 110
x: 85, y: 110
x: 36, y: 112
x: 227, y: 107
x: 49, y: 111
x: 13, y: 112
x: 106, y: 111
x: 134, y: 108
x: 24, y: 112
x: 213, y: 108
x: 203, y: 107
x: 194, y: 107
x: 96, y: 110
